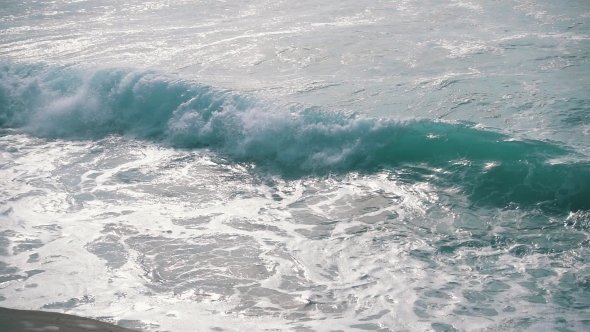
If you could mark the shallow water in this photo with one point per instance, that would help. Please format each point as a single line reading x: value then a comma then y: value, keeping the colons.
x: 249, y: 166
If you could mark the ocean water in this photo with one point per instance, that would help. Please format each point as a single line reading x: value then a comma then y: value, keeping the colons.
x: 402, y: 165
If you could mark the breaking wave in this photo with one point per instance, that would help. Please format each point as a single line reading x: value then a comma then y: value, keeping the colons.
x: 488, y: 167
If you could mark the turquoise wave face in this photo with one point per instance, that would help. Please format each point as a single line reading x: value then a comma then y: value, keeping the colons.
x: 489, y: 168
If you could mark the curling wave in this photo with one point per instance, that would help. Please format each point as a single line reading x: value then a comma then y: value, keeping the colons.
x: 490, y: 168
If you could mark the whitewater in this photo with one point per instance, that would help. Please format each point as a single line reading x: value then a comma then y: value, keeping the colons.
x: 402, y: 165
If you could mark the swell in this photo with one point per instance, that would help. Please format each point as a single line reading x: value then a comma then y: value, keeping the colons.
x: 488, y: 167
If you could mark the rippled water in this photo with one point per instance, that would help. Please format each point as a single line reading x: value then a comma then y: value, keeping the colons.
x: 247, y: 166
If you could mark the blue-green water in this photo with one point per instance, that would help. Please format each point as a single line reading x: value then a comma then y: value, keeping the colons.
x: 387, y: 166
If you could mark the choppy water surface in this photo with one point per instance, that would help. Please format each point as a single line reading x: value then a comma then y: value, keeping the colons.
x: 294, y: 166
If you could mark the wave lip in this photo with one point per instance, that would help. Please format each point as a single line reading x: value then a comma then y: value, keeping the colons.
x: 488, y: 167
